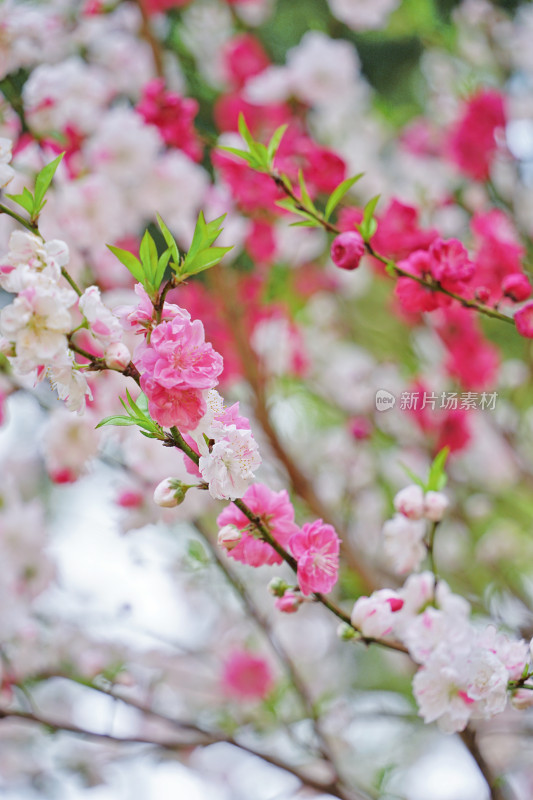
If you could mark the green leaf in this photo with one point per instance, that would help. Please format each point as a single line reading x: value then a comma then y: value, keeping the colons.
x: 196, y: 553
x: 130, y: 262
x: 236, y: 152
x: 25, y: 200
x: 162, y: 264
x: 369, y: 225
x: 306, y: 223
x: 287, y: 204
x: 116, y: 419
x: 339, y: 193
x: 305, y: 199
x: 169, y: 239
x: 437, y: 477
x: 148, y: 256
x: 245, y: 132
x: 274, y: 143
x: 43, y: 181
x: 206, y: 259
x: 201, y: 254
x: 413, y: 476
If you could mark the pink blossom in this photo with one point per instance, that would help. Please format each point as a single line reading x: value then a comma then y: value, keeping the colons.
x: 347, y: 250
x: 524, y: 320
x: 243, y: 57
x: 316, y: 549
x: 246, y: 676
x: 516, y: 286
x: 277, y: 514
x: 140, y: 318
x: 412, y: 295
x: 398, y: 234
x: 178, y: 357
x: 450, y: 264
x: 182, y: 407
x: 173, y: 116
x: 472, y: 145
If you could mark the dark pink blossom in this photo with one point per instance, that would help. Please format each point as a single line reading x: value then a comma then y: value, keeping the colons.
x: 524, y: 321
x: 277, y: 514
x: 472, y: 144
x: 516, y: 286
x: 450, y: 264
x: 316, y: 549
x: 173, y: 115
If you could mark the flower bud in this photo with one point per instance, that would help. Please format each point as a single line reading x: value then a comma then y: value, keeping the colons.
x: 289, y: 603
x: 170, y: 493
x: 117, y: 356
x: 229, y: 537
x: 516, y: 286
x: 277, y: 587
x: 524, y: 321
x: 435, y: 504
x: 522, y: 699
x: 410, y: 502
x: 346, y: 632
x: 347, y: 250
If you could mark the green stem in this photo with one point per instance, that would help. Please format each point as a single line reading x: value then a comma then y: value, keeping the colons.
x: 31, y: 226
x: 481, y: 308
x: 72, y: 282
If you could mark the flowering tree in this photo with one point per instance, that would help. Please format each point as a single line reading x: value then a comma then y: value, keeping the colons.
x: 264, y: 338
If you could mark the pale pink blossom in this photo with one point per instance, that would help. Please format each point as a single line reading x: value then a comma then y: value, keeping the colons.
x: 277, y: 514
x: 140, y: 318
x: 228, y: 466
x: 6, y: 172
x: 410, y: 502
x: 103, y: 324
x: 374, y: 616
x: 403, y: 543
x: 117, y: 356
x: 435, y: 505
x: 229, y: 537
x: 316, y: 549
x: 31, y: 260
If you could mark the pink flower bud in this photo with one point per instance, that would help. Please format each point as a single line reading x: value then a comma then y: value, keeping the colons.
x: 516, y: 286
x: 117, y: 356
x: 169, y: 493
x: 410, y: 502
x: 289, y: 603
x: 482, y: 294
x: 129, y: 499
x: 524, y: 321
x: 522, y: 699
x: 347, y: 250
x: 229, y: 537
x: 360, y: 428
x: 435, y: 504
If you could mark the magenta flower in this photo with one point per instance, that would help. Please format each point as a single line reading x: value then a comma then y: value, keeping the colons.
x: 347, y: 250
x: 277, y: 513
x: 316, y: 548
x: 524, y: 321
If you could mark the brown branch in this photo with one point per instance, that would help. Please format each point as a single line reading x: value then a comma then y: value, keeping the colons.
x: 226, y: 291
x: 148, y: 35
x: 497, y: 790
x: 171, y: 745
